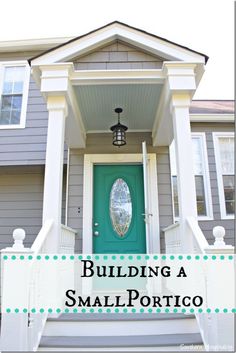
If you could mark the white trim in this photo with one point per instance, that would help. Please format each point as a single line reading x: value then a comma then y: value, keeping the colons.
x: 104, y: 77
x: 31, y: 44
x: 67, y: 186
x: 89, y: 161
x: 206, y: 180
x: 206, y: 177
x: 212, y: 118
x: 216, y: 136
x: 109, y: 131
x: 25, y: 92
x: 106, y: 35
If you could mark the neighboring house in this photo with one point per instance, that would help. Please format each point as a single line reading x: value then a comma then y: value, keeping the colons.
x: 58, y: 162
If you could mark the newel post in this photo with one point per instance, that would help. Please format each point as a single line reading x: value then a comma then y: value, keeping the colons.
x: 221, y: 334
x: 15, y: 276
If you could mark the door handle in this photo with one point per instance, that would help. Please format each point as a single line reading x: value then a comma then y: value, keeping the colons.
x: 96, y: 233
x: 146, y: 216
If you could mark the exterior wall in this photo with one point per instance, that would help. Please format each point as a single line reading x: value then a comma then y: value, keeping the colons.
x: 101, y: 143
x: 118, y: 56
x: 19, y: 55
x: 164, y: 191
x: 228, y: 224
x: 23, y: 155
x: 21, y: 202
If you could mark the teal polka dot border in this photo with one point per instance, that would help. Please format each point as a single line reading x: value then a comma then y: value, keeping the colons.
x: 119, y: 257
x: 123, y: 310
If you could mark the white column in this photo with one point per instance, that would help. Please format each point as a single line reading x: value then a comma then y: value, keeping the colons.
x: 184, y: 163
x: 52, y: 200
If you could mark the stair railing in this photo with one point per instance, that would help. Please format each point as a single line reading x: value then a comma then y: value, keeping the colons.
x: 215, y: 329
x: 37, y: 321
x: 23, y: 331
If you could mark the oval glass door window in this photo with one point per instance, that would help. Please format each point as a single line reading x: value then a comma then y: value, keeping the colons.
x: 120, y: 207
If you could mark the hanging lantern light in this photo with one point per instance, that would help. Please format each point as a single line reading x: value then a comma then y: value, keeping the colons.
x: 119, y: 131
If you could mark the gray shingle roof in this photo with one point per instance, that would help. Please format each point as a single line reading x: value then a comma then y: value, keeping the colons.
x: 212, y: 107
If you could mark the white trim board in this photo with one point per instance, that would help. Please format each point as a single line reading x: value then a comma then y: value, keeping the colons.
x: 206, y: 178
x: 216, y: 136
x: 212, y: 118
x: 89, y: 161
x: 105, y: 35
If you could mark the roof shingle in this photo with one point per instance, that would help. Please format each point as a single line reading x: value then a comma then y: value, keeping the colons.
x: 212, y: 107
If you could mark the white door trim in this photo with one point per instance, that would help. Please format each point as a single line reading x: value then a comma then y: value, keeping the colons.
x: 89, y: 161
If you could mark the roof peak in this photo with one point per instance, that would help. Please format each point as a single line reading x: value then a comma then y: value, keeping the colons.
x: 128, y: 27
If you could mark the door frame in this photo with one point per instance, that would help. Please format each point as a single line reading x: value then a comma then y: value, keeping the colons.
x: 153, y: 242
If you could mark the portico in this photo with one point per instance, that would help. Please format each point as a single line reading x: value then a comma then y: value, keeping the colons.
x: 81, y: 102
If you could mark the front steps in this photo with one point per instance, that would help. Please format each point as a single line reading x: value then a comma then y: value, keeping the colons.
x: 121, y: 332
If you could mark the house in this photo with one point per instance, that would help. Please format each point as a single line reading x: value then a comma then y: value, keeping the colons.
x: 59, y: 167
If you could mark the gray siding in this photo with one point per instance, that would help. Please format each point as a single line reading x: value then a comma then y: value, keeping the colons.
x: 118, y: 56
x: 75, y: 196
x: 228, y: 224
x: 21, y: 202
x: 27, y: 146
x: 22, y: 55
x: 164, y: 191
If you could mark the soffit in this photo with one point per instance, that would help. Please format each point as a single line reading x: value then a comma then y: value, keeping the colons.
x: 139, y: 103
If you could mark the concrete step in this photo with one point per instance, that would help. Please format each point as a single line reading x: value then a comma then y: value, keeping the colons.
x: 179, y: 348
x: 120, y: 324
x: 143, y: 343
x: 118, y: 317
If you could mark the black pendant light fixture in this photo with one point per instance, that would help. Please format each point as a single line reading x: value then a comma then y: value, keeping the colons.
x: 119, y: 131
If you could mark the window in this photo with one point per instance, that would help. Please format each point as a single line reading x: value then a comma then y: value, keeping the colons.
x: 202, y: 183
x: 224, y: 153
x: 14, y: 92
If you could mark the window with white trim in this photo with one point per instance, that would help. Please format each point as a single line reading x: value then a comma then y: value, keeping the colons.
x: 201, y: 173
x: 14, y: 82
x: 224, y: 153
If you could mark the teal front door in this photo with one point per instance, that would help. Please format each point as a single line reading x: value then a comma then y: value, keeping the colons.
x: 118, y: 208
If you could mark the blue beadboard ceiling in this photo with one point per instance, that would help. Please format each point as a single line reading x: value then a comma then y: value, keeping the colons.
x: 139, y: 103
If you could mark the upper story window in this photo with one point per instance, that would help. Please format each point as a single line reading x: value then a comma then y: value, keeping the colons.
x: 201, y: 172
x: 14, y: 82
x: 224, y: 153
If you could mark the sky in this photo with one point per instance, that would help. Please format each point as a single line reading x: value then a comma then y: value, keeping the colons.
x: 206, y: 26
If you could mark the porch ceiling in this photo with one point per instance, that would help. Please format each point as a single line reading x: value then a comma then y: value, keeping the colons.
x: 97, y: 104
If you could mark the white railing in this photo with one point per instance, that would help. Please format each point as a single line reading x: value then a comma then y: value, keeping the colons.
x: 27, y: 328
x: 67, y: 240
x: 172, y: 239
x: 214, y: 328
x: 199, y: 241
x: 37, y: 321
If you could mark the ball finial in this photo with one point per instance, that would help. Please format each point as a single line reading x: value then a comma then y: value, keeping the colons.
x: 219, y: 233
x: 18, y: 236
